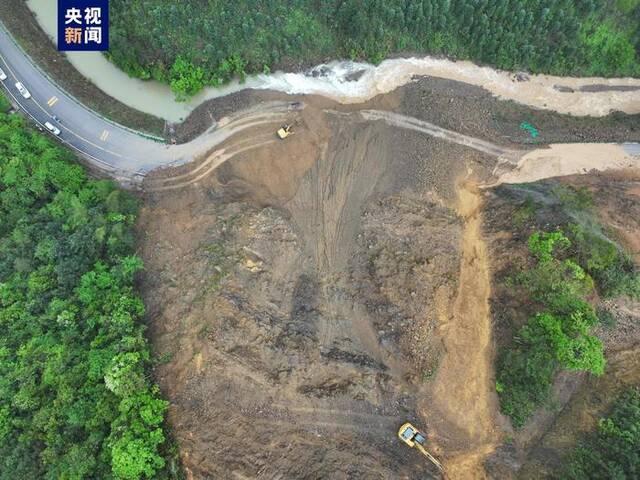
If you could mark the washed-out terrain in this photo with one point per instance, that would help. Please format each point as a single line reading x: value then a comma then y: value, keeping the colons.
x: 308, y: 296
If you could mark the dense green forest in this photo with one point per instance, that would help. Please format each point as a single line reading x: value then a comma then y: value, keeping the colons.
x: 613, y: 451
x: 192, y: 43
x: 75, y: 400
x: 566, y: 266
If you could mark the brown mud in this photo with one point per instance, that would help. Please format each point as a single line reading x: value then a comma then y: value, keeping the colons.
x: 313, y: 294
x: 307, y: 323
x: 467, y: 364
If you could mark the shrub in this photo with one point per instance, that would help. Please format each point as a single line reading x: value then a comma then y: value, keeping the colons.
x: 613, y: 451
x: 614, y: 272
x: 555, y: 338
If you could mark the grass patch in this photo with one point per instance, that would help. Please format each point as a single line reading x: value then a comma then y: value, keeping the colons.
x: 627, y: 6
x: 525, y: 213
x: 162, y: 358
x: 221, y: 260
x: 606, y: 318
x: 5, y: 105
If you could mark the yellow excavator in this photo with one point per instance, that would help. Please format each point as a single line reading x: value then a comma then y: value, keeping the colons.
x: 284, y: 131
x: 416, y: 439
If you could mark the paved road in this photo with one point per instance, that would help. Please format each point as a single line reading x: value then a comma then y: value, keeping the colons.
x: 125, y: 155
x: 109, y: 146
x: 128, y: 156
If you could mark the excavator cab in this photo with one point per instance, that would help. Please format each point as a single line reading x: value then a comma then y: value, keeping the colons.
x: 419, y: 439
x: 285, y: 131
x: 416, y: 439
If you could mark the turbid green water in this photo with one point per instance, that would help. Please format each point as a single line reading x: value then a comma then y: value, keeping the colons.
x: 335, y: 81
x: 147, y: 96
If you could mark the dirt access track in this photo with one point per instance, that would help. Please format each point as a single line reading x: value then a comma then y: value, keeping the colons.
x: 308, y: 296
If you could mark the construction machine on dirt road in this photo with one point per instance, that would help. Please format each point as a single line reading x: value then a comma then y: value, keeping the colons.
x: 416, y: 439
x: 284, y: 131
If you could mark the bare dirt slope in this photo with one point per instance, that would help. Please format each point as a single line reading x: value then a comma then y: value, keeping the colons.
x: 300, y: 336
x: 463, y: 392
x: 306, y: 297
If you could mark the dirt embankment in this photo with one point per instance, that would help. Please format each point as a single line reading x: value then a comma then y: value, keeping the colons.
x: 301, y: 335
x: 309, y: 296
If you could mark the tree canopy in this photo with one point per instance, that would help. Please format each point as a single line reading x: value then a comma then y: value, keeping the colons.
x: 75, y: 400
x: 558, y: 337
x: 193, y: 43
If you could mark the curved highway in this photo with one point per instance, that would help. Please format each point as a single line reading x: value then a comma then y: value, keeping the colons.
x: 122, y: 153
x: 127, y: 156
x: 108, y: 146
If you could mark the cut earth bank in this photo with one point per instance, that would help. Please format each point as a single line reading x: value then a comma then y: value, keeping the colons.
x: 308, y: 296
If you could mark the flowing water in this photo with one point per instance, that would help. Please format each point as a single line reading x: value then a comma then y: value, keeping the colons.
x: 350, y: 82
x: 148, y: 96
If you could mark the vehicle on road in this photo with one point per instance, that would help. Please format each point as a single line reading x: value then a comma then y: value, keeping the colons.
x: 23, y: 90
x: 53, y: 129
x: 416, y: 439
x: 3, y: 76
x: 284, y: 131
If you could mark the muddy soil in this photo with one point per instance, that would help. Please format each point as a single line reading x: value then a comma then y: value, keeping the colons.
x: 300, y: 292
x: 308, y: 296
x: 474, y: 111
x: 467, y: 367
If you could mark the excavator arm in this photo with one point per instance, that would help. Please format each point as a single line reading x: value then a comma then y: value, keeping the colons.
x: 431, y: 458
x: 414, y: 438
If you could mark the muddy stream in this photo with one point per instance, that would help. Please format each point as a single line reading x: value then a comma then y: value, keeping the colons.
x: 352, y: 82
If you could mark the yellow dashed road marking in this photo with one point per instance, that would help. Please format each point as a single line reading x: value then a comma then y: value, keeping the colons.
x: 104, y: 136
x: 52, y: 101
x: 115, y: 154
